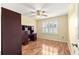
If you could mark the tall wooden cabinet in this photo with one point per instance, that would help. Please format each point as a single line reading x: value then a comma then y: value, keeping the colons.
x: 10, y: 32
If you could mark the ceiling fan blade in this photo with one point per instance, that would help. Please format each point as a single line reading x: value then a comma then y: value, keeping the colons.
x: 32, y: 15
x: 32, y: 12
x: 44, y: 15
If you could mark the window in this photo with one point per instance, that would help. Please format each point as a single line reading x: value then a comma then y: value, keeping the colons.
x: 50, y: 27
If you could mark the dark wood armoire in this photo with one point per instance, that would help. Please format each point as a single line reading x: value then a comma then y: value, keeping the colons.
x: 11, y: 41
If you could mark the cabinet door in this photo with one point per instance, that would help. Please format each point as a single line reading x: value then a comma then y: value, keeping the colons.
x: 10, y: 32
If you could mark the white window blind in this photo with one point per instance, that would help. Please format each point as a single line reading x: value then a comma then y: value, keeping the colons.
x: 50, y: 26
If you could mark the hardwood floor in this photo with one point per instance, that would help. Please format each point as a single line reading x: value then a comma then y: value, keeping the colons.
x: 45, y: 47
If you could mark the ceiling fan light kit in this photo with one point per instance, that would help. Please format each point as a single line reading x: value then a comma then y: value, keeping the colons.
x: 39, y: 13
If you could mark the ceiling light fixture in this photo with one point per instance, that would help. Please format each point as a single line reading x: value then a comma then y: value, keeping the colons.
x: 39, y: 13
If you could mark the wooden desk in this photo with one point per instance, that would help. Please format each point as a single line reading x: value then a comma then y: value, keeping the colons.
x: 33, y: 37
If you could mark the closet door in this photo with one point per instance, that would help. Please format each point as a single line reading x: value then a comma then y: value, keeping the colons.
x: 10, y: 32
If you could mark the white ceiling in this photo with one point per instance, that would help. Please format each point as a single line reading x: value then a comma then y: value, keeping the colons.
x: 52, y: 9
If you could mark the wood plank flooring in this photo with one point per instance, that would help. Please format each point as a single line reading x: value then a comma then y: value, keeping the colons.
x: 45, y: 47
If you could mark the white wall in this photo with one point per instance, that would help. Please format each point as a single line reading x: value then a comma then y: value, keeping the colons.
x: 28, y: 21
x: 62, y: 29
x: 73, y: 26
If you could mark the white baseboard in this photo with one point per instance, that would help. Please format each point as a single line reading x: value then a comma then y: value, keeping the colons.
x: 54, y: 40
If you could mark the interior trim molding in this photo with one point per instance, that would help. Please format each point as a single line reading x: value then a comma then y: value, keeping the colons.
x: 54, y: 40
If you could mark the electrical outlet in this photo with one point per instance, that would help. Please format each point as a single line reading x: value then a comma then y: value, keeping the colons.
x: 62, y: 37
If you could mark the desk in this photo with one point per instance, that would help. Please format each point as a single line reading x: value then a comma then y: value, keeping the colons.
x: 33, y: 37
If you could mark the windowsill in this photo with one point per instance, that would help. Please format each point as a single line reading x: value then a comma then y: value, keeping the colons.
x: 48, y: 33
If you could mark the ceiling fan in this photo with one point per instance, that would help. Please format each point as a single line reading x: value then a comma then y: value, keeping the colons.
x: 39, y: 13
